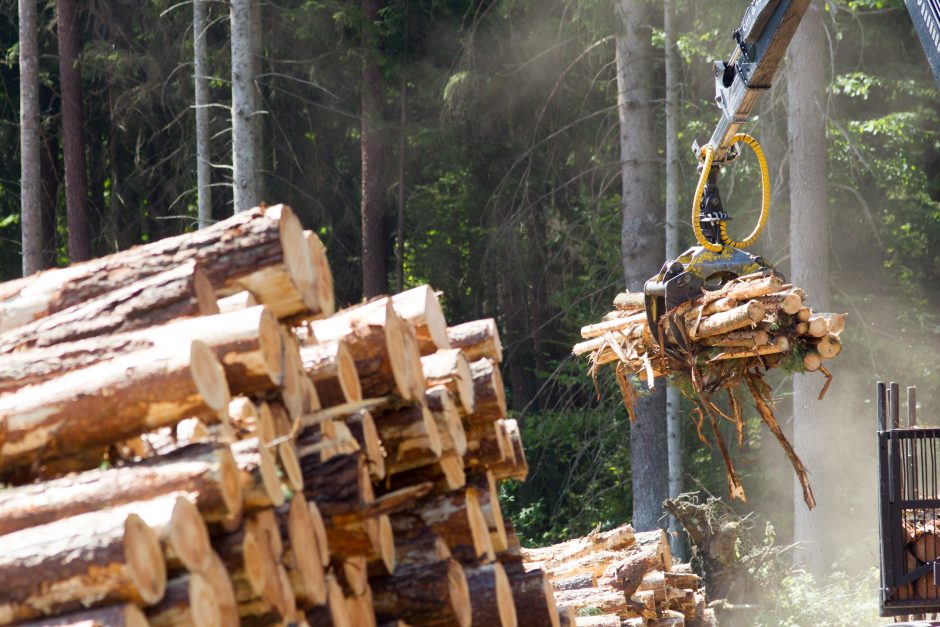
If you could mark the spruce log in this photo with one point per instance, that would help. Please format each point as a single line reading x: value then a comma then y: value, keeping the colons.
x: 449, y: 425
x: 811, y: 361
x: 421, y: 547
x: 446, y: 474
x: 409, y: 436
x: 488, y: 391
x: 375, y: 335
x: 421, y: 308
x: 451, y: 369
x: 742, y: 290
x: 491, y: 595
x: 110, y: 402
x: 322, y: 272
x: 190, y: 601
x: 340, y: 485
x: 518, y: 469
x: 788, y: 302
x: 628, y: 301
x: 829, y: 346
x: 435, y: 593
x: 125, y: 615
x: 262, y: 251
x: 487, y: 445
x: 331, y: 367
x: 221, y: 583
x: 456, y: 517
x: 244, y: 559
x: 804, y: 314
x: 477, y: 339
x: 606, y: 599
x: 584, y: 580
x: 617, y: 324
x: 818, y: 326
x: 206, y: 471
x: 533, y: 597
x: 556, y: 555
x: 180, y: 292
x: 748, y: 339
x: 94, y: 559
x: 371, y: 537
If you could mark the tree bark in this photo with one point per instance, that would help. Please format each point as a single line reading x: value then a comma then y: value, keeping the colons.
x: 533, y: 596
x: 488, y: 392
x: 244, y: 168
x: 809, y: 261
x: 450, y: 368
x: 331, y: 367
x: 421, y: 308
x: 435, y: 593
x: 477, y: 339
x: 125, y: 615
x: 456, y: 517
x: 262, y: 251
x: 641, y: 241
x: 203, y: 146
x: 205, y: 471
x: 372, y: 143
x: 409, y: 436
x: 491, y: 595
x: 400, y: 224
x: 30, y: 171
x: 73, y: 125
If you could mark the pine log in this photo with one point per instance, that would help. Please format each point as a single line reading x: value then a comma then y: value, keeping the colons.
x: 650, y: 552
x: 617, y: 324
x: 829, y: 346
x: 421, y: 547
x: 375, y: 335
x: 435, y: 593
x: 519, y: 468
x: 804, y: 314
x: 261, y: 251
x: 120, y: 561
x: 190, y: 601
x: 748, y: 339
x: 754, y: 288
x: 335, y: 613
x: 487, y: 445
x: 818, y: 326
x: 218, y: 579
x: 488, y: 391
x: 811, y: 361
x: 298, y: 395
x: 206, y: 471
x: 338, y: 486
x: 360, y: 609
x: 244, y: 559
x: 322, y: 273
x: 372, y: 537
x: 301, y: 552
x: 110, y: 402
x: 835, y: 322
x: 277, y: 592
x: 125, y: 615
x: 446, y: 474
x: 746, y: 315
x: 533, y: 597
x: 491, y: 595
x: 261, y: 486
x: 780, y: 345
x: 449, y: 425
x: 628, y: 301
x: 788, y: 302
x: 180, y: 292
x: 584, y: 580
x: 420, y: 307
x: 409, y: 436
x: 450, y: 368
x: 353, y: 574
x: 237, y: 301
x: 606, y: 599
x: 556, y: 555
x: 456, y: 517
x: 485, y: 484
x: 477, y: 339
x: 331, y: 367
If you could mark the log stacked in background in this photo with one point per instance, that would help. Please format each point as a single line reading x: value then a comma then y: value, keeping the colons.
x: 192, y: 436
x: 620, y: 578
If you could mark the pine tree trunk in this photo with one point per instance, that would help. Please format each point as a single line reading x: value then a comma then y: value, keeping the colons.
x: 73, y: 125
x: 201, y: 77
x: 373, y: 207
x: 641, y: 241
x: 243, y: 99
x: 809, y: 246
x: 30, y: 173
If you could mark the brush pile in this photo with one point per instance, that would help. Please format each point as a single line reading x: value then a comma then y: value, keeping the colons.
x: 719, y: 341
x: 190, y: 435
x: 618, y: 578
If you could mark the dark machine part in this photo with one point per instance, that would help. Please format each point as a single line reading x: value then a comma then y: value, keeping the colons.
x: 908, y: 498
x: 926, y: 17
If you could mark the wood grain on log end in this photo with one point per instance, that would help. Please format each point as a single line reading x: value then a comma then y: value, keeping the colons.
x: 188, y: 537
x: 218, y: 579
x: 305, y: 552
x: 477, y: 339
x: 324, y: 274
x: 421, y: 307
x: 145, y: 563
x: 205, y: 294
x: 209, y: 377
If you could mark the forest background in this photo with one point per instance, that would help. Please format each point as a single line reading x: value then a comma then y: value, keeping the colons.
x: 497, y: 155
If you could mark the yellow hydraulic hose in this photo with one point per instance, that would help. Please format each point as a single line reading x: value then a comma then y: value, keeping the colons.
x: 709, y: 156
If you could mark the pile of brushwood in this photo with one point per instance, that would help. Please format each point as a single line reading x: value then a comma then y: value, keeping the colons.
x: 715, y: 343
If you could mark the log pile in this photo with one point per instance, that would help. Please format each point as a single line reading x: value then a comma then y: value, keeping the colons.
x: 191, y: 435
x: 717, y: 343
x: 620, y: 578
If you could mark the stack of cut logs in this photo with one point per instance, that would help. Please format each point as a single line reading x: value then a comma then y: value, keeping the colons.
x: 191, y: 436
x: 923, y: 546
x: 618, y: 578
x: 752, y: 319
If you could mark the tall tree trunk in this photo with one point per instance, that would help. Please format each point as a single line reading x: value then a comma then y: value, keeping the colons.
x: 775, y: 244
x: 641, y: 241
x: 49, y: 167
x: 400, y: 233
x: 257, y: 53
x: 809, y: 260
x: 70, y: 85
x: 244, y: 168
x: 30, y: 173
x: 203, y: 153
x: 673, y: 404
x: 373, y: 207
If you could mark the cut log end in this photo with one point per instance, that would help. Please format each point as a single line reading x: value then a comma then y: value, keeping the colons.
x: 347, y: 374
x: 229, y: 481
x: 203, y: 604
x: 209, y: 377
x: 459, y: 594
x: 144, y: 557
x: 506, y: 606
x: 272, y: 347
x: 306, y: 554
x: 324, y: 275
x: 206, y: 301
x: 297, y: 258
x: 189, y: 537
x: 386, y: 543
